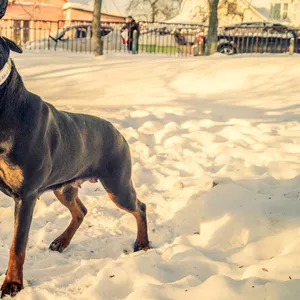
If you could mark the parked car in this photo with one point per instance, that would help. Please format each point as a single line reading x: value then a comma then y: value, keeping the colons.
x: 255, y: 37
x: 166, y: 37
x: 78, y: 38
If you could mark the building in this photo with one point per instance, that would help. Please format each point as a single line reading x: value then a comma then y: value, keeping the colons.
x: 50, y: 10
x: 230, y: 12
x: 286, y: 11
x: 79, y: 12
x: 54, y: 10
x: 36, y: 19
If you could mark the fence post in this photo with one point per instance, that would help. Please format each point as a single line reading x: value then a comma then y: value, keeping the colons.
x: 196, y: 48
x: 292, y: 46
x: 134, y: 42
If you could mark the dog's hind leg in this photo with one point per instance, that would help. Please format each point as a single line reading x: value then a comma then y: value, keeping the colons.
x: 116, y: 180
x: 69, y: 198
x: 124, y: 196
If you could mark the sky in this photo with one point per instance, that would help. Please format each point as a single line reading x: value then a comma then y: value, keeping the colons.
x: 261, y: 3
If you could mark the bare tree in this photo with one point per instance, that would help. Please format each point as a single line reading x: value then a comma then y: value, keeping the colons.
x: 97, y: 45
x: 154, y: 10
x: 34, y: 12
x: 212, y: 36
x: 199, y: 14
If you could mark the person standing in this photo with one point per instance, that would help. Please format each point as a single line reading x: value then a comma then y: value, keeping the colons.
x: 131, y: 26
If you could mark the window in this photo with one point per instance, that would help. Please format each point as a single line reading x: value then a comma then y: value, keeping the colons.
x: 272, y: 11
x: 285, y: 11
x: 80, y: 33
x: 17, y: 31
x: 276, y: 11
x: 26, y: 29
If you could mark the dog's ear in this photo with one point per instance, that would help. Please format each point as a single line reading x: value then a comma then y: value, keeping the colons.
x: 3, y: 7
x: 12, y: 45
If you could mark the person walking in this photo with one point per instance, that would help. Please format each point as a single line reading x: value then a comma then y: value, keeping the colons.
x: 131, y: 26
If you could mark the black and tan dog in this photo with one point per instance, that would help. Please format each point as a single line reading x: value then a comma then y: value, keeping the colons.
x: 43, y: 149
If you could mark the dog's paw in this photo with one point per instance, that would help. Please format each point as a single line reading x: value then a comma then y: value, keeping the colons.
x: 139, y: 246
x: 59, y: 245
x: 10, y: 289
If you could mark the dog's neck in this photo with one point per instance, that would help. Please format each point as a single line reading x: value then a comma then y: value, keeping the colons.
x: 12, y: 90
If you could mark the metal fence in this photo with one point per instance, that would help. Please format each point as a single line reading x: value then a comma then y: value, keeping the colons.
x: 154, y: 38
x: 171, y: 39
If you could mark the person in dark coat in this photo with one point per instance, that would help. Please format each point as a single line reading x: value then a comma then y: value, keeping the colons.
x: 131, y: 26
x: 3, y: 7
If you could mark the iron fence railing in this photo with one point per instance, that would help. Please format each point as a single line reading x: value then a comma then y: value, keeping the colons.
x: 171, y: 39
x: 22, y: 31
x: 154, y: 38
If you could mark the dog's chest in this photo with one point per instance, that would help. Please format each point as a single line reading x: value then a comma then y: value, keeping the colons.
x: 10, y: 174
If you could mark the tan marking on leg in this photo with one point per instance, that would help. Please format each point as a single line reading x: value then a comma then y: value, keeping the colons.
x: 140, y: 216
x: 15, y: 267
x: 16, y: 261
x: 142, y: 241
x: 77, y: 210
x: 142, y: 235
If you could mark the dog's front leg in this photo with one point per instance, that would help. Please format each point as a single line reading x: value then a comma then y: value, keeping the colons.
x: 23, y: 215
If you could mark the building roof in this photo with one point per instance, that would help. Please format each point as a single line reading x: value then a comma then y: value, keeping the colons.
x: 107, y: 9
x: 78, y: 6
x: 113, y: 7
x: 263, y: 6
x: 47, y: 11
x: 256, y: 11
x: 186, y: 7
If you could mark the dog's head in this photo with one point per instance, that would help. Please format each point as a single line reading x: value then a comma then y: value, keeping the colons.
x: 6, y: 45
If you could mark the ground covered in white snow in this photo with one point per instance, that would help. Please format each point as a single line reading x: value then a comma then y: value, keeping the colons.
x: 234, y: 121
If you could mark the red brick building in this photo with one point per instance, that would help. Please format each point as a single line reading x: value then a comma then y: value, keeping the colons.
x: 35, y: 19
x: 53, y: 10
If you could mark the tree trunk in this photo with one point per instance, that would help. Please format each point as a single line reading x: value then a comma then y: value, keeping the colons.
x: 212, y: 36
x: 153, y: 14
x: 96, y: 41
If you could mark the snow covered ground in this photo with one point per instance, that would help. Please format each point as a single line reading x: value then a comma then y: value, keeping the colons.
x: 228, y: 122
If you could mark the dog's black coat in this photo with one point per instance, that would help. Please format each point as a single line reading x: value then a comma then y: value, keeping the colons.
x: 58, y: 146
x: 43, y: 149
